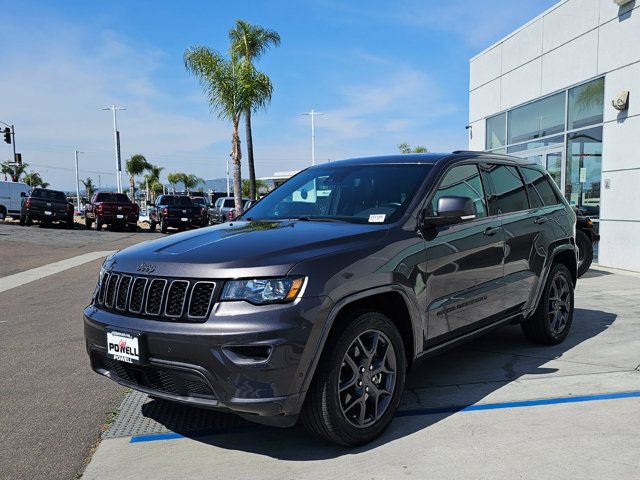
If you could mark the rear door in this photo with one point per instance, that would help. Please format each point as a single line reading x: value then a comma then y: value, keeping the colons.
x: 464, y: 261
x: 527, y: 232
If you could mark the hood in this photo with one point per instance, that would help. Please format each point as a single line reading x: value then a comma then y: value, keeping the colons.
x: 244, y: 249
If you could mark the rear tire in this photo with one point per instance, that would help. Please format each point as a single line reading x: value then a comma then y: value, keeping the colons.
x: 27, y: 220
x: 132, y: 227
x: 88, y: 223
x: 585, y: 252
x: 359, y: 381
x: 152, y: 226
x: 98, y: 225
x: 163, y: 226
x: 23, y: 220
x: 69, y: 224
x: 551, y: 322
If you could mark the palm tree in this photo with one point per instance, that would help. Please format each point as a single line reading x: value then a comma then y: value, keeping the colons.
x: 190, y: 181
x: 89, y: 187
x: 152, y: 180
x: 135, y: 166
x: 246, y: 186
x: 10, y: 170
x: 232, y: 87
x: 174, y: 178
x: 33, y: 179
x: 250, y: 42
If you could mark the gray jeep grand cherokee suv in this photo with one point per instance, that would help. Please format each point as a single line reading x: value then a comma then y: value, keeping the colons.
x: 317, y: 301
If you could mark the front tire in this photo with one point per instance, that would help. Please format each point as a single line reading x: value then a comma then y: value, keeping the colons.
x: 358, y: 383
x: 551, y: 322
x: 585, y: 252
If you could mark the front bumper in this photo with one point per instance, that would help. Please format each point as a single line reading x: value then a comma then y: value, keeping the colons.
x: 199, y: 363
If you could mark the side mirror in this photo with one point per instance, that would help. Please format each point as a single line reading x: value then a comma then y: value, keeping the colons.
x: 23, y: 194
x: 451, y: 210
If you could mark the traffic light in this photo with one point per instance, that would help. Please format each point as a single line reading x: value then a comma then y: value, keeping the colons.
x: 7, y: 135
x: 18, y: 158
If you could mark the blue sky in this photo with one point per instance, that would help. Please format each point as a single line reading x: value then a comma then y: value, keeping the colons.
x: 382, y: 72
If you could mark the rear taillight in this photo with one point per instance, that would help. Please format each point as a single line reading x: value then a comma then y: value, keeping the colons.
x: 99, y: 209
x: 27, y: 203
x: 165, y: 212
x: 232, y: 214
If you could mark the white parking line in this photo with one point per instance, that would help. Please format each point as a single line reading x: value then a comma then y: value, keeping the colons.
x: 18, y: 279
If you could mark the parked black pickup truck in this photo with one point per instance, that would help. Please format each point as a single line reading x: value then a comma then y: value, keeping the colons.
x: 175, y: 211
x: 46, y: 206
x: 586, y: 238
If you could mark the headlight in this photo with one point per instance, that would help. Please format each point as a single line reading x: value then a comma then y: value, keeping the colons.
x: 263, y: 290
x: 96, y: 291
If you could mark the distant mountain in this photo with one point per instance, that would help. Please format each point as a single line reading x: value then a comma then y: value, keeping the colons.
x: 216, y: 185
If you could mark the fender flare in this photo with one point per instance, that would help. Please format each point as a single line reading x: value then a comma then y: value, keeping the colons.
x: 416, y: 326
x: 547, y: 268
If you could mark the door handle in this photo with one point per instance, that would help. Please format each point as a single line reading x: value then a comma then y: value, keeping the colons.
x: 490, y: 231
x: 540, y: 220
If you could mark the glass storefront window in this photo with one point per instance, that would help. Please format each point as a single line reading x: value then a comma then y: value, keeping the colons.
x: 496, y: 132
x: 586, y: 104
x: 538, y: 119
x: 553, y: 141
x: 584, y: 170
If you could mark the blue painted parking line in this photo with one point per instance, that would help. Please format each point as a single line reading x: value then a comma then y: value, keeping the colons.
x: 414, y: 413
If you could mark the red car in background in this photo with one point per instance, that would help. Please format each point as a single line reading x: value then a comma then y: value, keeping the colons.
x: 113, y: 209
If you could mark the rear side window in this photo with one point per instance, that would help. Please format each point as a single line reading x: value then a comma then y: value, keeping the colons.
x: 112, y: 197
x: 462, y: 181
x: 541, y: 193
x: 508, y: 189
x: 229, y: 204
x: 49, y: 195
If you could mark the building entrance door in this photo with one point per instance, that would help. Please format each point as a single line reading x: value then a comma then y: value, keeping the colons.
x: 551, y: 158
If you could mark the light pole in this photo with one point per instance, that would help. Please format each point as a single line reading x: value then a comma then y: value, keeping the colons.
x: 312, y: 114
x: 116, y: 139
x: 228, y: 187
x: 76, y: 152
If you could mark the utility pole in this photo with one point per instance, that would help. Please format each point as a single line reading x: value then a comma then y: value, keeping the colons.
x: 116, y: 138
x: 76, y: 152
x: 228, y: 185
x: 312, y: 114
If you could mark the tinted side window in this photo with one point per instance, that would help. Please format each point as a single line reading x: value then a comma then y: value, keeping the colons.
x: 229, y: 203
x: 463, y: 181
x: 509, y: 192
x: 539, y: 187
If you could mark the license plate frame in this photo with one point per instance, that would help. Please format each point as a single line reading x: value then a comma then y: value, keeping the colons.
x: 124, y: 346
x: 119, y: 216
x: 184, y: 219
x: 47, y: 212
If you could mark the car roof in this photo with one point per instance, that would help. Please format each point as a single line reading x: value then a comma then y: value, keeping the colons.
x: 429, y: 158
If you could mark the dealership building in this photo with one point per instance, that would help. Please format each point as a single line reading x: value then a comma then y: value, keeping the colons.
x: 564, y: 91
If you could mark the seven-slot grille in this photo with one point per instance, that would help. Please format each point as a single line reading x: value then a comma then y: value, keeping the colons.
x: 160, y: 298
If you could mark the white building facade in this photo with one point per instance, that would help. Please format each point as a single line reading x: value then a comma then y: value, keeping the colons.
x: 545, y: 92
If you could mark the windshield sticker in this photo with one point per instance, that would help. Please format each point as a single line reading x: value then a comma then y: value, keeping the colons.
x: 377, y: 218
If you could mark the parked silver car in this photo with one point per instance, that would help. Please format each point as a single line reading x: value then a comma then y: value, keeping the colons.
x: 224, y: 210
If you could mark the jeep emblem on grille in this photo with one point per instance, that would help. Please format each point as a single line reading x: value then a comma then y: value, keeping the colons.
x: 146, y: 267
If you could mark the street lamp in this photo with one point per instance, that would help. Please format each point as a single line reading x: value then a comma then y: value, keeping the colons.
x: 116, y: 138
x: 76, y: 152
x: 312, y: 114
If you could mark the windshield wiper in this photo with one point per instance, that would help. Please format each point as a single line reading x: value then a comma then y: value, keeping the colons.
x: 306, y: 218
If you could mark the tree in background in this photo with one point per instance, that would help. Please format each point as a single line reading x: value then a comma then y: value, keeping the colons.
x: 33, y: 179
x: 152, y: 181
x: 89, y: 187
x: 406, y: 148
x: 261, y: 185
x: 190, y: 181
x: 174, y: 178
x: 9, y: 170
x: 232, y: 88
x: 135, y: 166
x: 249, y: 43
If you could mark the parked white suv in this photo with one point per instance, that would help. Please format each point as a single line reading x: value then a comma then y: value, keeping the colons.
x: 11, y: 194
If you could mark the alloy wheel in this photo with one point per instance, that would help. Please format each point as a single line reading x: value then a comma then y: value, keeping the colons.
x: 367, y: 378
x: 559, y: 304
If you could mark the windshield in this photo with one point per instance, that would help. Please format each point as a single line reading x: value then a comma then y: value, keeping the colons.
x: 49, y: 195
x: 112, y: 197
x: 355, y: 193
x: 181, y: 201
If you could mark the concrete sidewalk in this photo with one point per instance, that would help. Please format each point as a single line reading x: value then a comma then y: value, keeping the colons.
x: 495, y: 408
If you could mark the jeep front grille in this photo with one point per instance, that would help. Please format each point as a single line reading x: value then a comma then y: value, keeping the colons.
x: 156, y: 297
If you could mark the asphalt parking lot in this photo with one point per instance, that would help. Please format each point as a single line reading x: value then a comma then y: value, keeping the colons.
x: 498, y: 407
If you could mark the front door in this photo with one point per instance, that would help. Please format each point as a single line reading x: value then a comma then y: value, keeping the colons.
x: 464, y: 262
